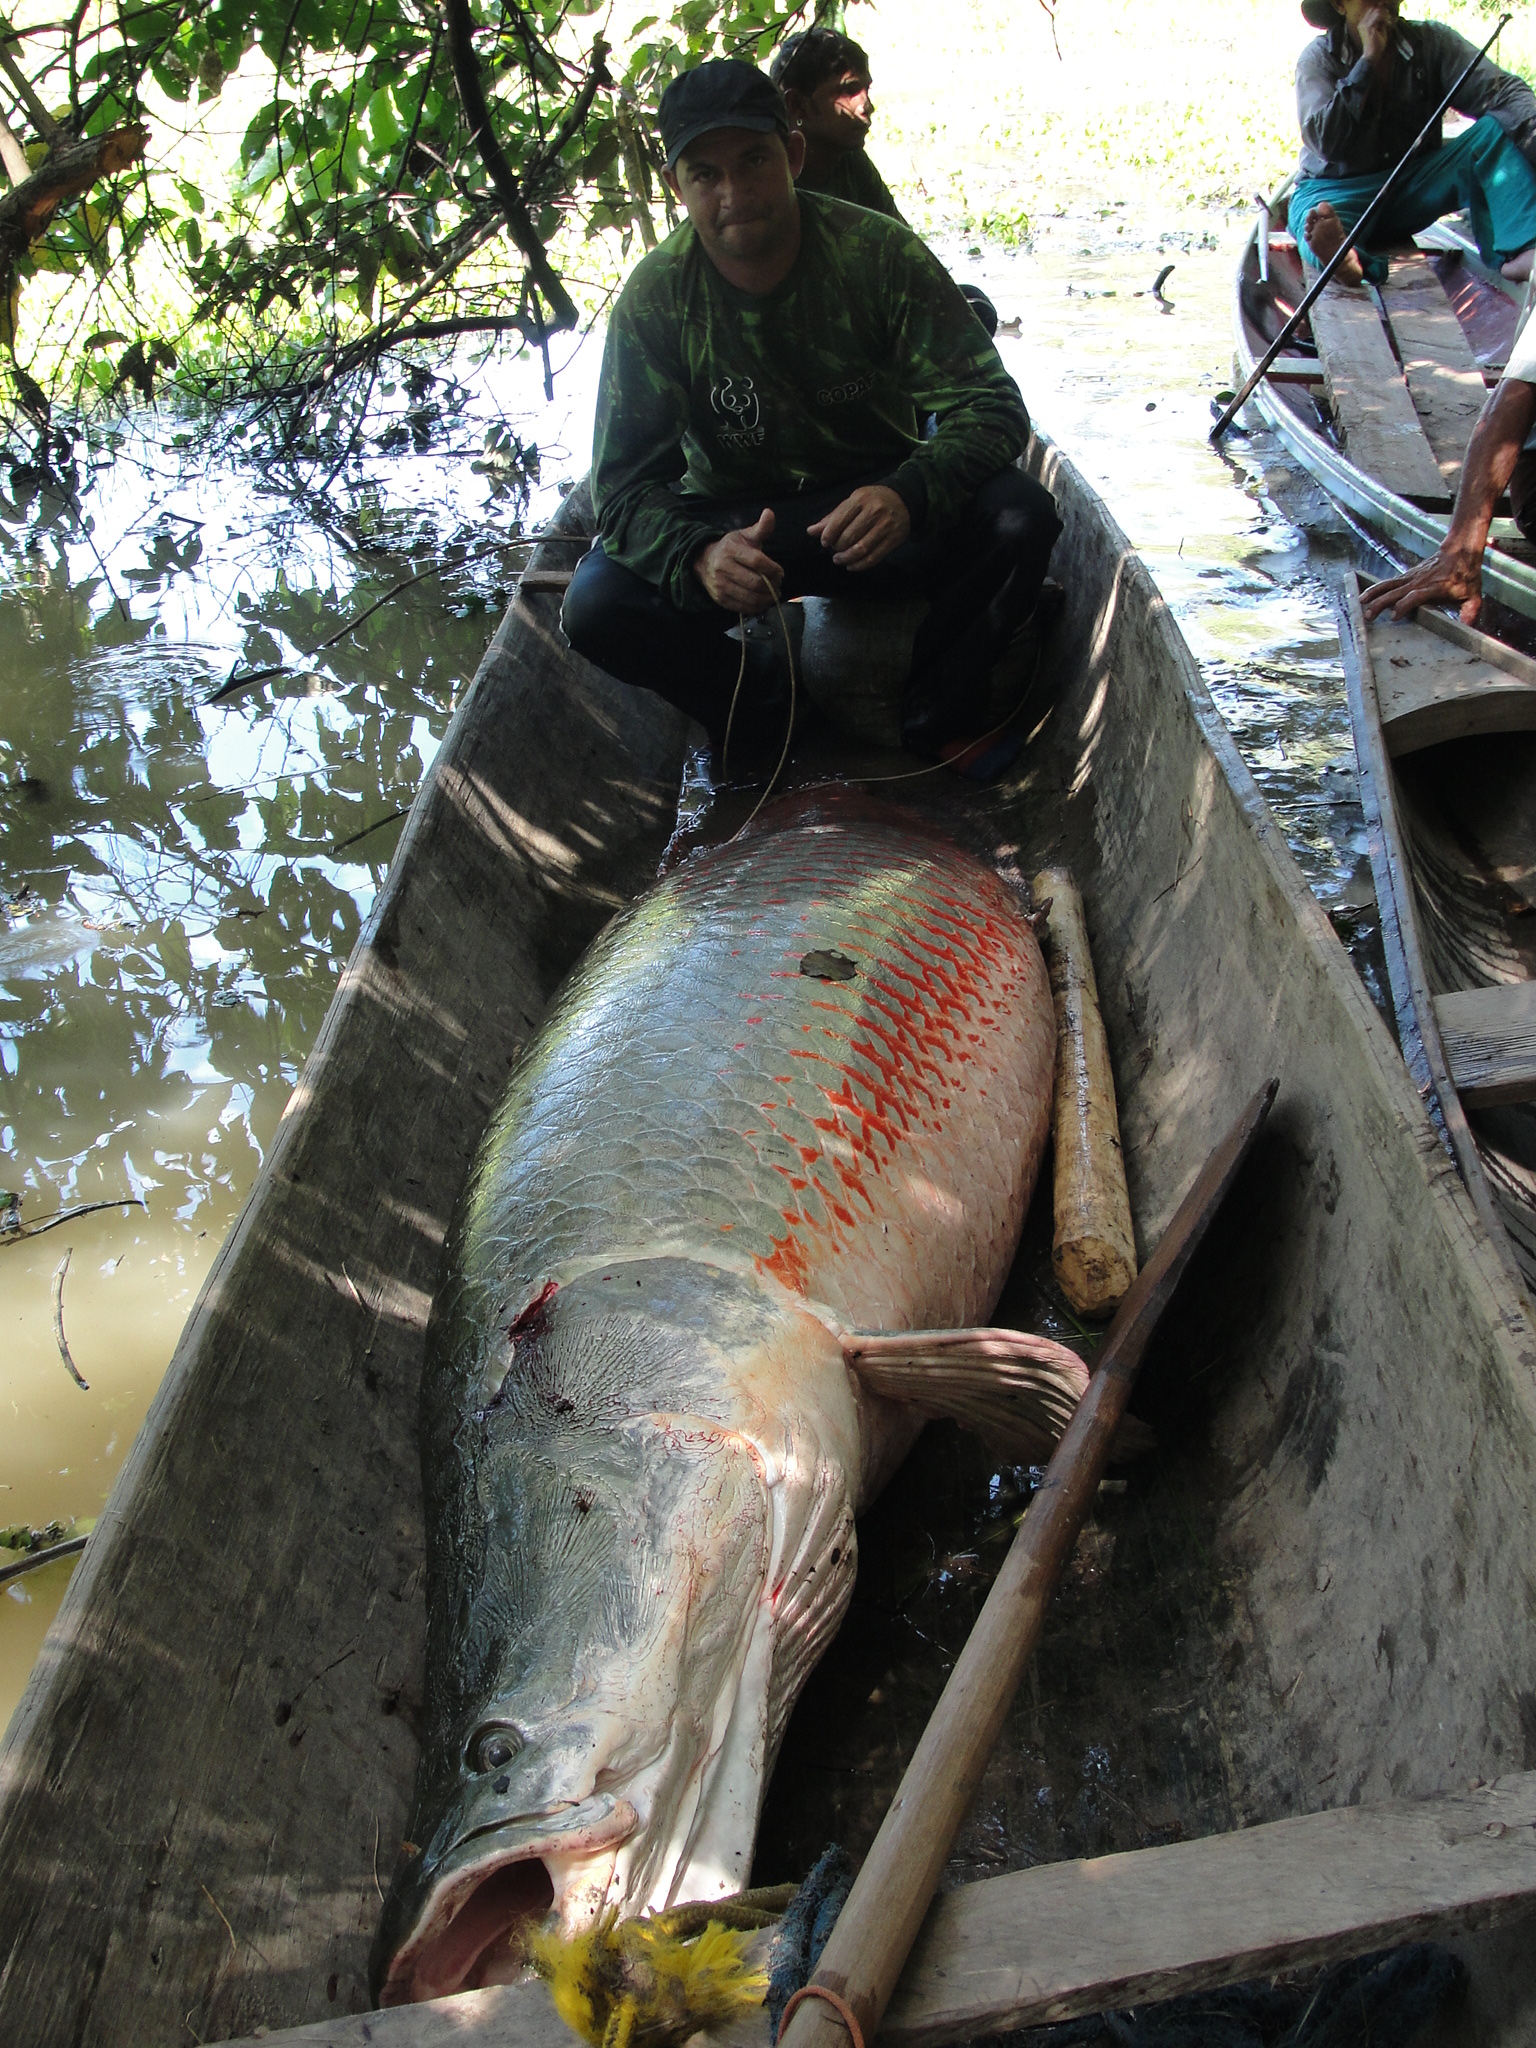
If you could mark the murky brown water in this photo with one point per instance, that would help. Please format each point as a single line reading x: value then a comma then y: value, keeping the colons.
x: 183, y: 882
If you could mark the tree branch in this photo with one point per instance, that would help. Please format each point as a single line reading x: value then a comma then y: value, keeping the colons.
x: 576, y: 113
x: 69, y: 170
x: 466, y: 72
x: 42, y: 120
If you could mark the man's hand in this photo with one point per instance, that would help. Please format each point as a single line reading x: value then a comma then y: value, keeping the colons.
x: 864, y: 529
x: 1454, y: 572
x: 1452, y: 575
x: 732, y: 569
x: 1377, y: 28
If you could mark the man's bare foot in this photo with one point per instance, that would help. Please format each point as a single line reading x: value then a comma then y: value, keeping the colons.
x: 1325, y: 231
x: 1518, y: 268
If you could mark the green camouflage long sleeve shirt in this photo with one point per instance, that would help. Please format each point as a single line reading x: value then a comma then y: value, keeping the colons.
x: 739, y: 398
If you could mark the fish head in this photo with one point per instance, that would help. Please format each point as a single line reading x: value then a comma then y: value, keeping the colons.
x: 601, y: 1541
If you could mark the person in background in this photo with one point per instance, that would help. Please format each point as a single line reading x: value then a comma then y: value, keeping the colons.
x: 759, y: 436
x: 1499, y: 457
x: 825, y: 79
x: 1364, y: 90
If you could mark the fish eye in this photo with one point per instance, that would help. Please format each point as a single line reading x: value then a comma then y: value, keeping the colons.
x: 494, y: 1748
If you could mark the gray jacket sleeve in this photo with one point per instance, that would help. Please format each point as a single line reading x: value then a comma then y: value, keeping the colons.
x: 1488, y: 91
x: 1329, y: 105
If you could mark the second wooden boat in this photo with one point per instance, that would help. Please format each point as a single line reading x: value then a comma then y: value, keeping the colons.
x: 1377, y: 394
x: 1445, y: 737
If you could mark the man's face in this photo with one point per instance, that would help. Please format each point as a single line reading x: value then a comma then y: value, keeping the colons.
x: 1355, y: 11
x: 838, y: 111
x: 739, y: 190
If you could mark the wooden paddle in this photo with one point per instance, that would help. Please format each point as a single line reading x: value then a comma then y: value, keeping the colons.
x: 877, y: 1927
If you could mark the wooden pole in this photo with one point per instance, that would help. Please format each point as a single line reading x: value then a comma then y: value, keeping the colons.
x: 877, y: 1927
x: 1094, y: 1250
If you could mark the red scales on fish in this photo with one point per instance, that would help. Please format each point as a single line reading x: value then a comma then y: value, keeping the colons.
x: 797, y: 1093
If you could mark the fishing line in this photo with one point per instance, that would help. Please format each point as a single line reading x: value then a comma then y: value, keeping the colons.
x: 741, y: 673
x: 794, y: 692
x: 842, y: 781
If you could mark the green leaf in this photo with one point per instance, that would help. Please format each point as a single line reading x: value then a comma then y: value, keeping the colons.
x: 384, y: 125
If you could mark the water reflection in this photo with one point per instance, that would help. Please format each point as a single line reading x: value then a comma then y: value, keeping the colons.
x: 182, y: 881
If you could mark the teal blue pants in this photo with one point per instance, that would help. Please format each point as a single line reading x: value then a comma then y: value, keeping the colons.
x: 1481, y: 170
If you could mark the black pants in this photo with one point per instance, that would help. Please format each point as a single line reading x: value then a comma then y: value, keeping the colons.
x: 981, y: 578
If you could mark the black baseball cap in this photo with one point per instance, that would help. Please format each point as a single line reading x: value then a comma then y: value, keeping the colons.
x: 722, y: 94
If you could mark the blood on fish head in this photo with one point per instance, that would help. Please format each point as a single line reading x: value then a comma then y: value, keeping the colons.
x: 598, y: 1713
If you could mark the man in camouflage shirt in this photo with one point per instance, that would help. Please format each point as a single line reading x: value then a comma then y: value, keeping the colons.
x: 759, y: 435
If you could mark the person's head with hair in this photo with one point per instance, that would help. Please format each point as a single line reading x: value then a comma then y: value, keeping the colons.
x: 824, y: 77
x: 732, y: 160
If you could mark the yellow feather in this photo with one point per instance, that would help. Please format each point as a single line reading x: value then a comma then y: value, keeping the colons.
x: 634, y: 1984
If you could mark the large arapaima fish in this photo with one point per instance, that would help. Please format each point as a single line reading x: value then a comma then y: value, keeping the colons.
x: 798, y: 1092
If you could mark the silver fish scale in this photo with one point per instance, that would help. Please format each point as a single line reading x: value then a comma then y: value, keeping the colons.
x: 696, y: 1093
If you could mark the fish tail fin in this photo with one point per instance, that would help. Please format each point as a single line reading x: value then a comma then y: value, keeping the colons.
x: 1016, y: 1390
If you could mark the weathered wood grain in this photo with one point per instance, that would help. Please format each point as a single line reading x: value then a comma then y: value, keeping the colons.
x: 1073, y: 1938
x: 1490, y: 1041
x: 1371, y: 403
x: 1067, y: 1939
x: 1445, y: 380
x: 1432, y: 689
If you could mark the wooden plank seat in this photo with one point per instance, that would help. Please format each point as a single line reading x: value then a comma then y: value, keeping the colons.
x: 1445, y: 380
x: 1447, y: 686
x: 1371, y: 402
x: 1489, y: 1036
x: 1065, y: 1939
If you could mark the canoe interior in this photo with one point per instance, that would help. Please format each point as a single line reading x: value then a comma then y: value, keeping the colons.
x: 1468, y: 815
x: 1392, y: 379
x: 1321, y: 1589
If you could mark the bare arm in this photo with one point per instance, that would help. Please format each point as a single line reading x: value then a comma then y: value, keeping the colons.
x: 1454, y: 572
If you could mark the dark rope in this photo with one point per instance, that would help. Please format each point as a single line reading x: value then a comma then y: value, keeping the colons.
x: 808, y: 1921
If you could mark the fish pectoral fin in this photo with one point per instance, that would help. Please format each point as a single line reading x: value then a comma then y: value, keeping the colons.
x: 1015, y: 1390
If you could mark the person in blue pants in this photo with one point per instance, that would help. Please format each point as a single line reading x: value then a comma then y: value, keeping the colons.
x: 1364, y: 90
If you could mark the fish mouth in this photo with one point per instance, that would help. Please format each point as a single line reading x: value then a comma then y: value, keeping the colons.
x: 467, y: 1908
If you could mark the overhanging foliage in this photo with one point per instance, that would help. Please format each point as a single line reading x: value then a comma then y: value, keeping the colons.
x: 383, y: 145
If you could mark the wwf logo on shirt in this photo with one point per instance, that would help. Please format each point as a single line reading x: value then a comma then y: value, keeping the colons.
x: 735, y: 404
x: 842, y: 394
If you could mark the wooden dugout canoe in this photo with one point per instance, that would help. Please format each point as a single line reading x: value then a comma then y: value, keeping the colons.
x: 202, y: 1791
x: 1377, y: 394
x: 1445, y: 736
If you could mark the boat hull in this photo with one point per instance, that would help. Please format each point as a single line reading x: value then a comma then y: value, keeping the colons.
x: 207, y: 1784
